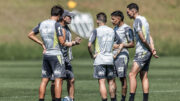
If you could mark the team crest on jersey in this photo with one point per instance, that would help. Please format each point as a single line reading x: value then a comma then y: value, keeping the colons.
x: 82, y: 24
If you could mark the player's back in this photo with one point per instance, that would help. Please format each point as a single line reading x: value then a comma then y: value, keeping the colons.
x: 103, y: 45
x: 48, y: 34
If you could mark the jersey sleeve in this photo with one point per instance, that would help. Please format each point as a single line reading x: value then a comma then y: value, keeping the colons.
x: 129, y: 35
x: 117, y: 39
x: 58, y: 28
x: 36, y: 29
x: 93, y: 36
x: 138, y: 25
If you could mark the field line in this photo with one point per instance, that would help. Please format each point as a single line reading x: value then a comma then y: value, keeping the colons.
x: 165, y: 91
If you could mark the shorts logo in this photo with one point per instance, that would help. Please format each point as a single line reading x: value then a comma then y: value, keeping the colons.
x: 120, y: 69
x: 43, y: 72
x: 100, y: 73
x: 142, y: 64
x: 110, y: 74
x: 57, y: 72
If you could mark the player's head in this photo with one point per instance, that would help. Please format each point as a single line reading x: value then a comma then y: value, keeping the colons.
x: 66, y: 17
x: 132, y: 9
x: 57, y: 10
x: 101, y: 18
x: 117, y: 17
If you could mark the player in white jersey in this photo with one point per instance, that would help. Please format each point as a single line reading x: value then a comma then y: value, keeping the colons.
x: 52, y: 61
x: 125, y: 33
x: 103, y: 38
x: 144, y: 50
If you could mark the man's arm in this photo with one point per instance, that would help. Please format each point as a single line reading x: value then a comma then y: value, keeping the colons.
x: 152, y: 47
x: 90, y: 50
x: 120, y: 47
x: 33, y: 37
x: 130, y: 39
x: 129, y: 45
x: 117, y: 44
x: 61, y: 33
x: 91, y: 41
x: 143, y: 40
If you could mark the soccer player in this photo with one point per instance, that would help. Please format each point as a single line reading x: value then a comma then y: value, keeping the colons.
x: 125, y: 33
x: 65, y: 19
x: 103, y: 38
x: 52, y: 34
x: 144, y: 50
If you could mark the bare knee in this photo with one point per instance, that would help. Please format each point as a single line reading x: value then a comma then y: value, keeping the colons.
x: 44, y: 82
x: 71, y: 82
x: 131, y: 74
x: 143, y: 75
x: 52, y: 83
x: 123, y: 82
x: 112, y: 87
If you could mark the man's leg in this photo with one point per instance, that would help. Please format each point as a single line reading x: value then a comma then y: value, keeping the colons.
x: 132, y: 78
x: 58, y: 89
x: 102, y: 89
x: 42, y: 88
x: 124, y: 88
x: 145, y: 84
x: 53, y: 90
x: 112, y: 89
x: 70, y: 88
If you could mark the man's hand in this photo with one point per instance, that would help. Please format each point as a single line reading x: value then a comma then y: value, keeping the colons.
x: 94, y: 56
x: 44, y: 48
x: 154, y: 53
x: 78, y: 40
x: 115, y: 46
x: 115, y: 56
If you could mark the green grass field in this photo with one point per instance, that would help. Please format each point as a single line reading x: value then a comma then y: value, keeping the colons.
x: 20, y: 80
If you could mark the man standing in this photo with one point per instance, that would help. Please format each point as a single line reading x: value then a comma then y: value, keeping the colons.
x: 67, y: 52
x: 125, y: 33
x: 103, y: 39
x: 52, y: 56
x: 144, y: 50
x: 65, y: 19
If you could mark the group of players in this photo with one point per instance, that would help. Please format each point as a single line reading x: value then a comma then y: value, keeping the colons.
x: 109, y: 63
x: 111, y: 54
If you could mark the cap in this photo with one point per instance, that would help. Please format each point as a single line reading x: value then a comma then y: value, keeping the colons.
x: 67, y: 13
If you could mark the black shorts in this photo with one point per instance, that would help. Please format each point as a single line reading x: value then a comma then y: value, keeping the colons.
x: 104, y: 71
x: 143, y: 60
x: 69, y: 70
x: 53, y: 65
x: 121, y: 65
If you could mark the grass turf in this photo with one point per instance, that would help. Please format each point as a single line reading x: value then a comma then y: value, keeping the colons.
x: 19, y: 81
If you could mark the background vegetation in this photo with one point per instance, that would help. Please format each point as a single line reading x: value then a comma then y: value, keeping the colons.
x: 19, y: 17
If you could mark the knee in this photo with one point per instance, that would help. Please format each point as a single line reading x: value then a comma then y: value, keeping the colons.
x: 124, y: 87
x: 131, y: 74
x: 52, y: 83
x: 143, y: 76
x: 72, y: 81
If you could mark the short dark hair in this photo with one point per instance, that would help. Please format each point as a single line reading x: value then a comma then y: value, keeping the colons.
x: 57, y: 10
x: 118, y: 13
x: 102, y: 17
x: 133, y: 5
